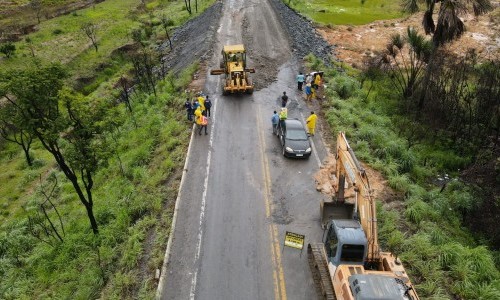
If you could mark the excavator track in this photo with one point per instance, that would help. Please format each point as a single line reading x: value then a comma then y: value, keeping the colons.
x: 320, y: 272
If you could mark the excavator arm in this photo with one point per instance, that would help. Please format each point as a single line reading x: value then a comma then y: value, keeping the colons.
x: 349, y: 169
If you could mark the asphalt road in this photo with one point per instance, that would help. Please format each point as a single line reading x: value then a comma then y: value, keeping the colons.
x: 239, y: 194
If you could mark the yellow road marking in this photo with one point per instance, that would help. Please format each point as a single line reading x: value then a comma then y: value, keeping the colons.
x: 278, y: 274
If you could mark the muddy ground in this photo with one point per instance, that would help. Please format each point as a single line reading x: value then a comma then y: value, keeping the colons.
x: 194, y: 40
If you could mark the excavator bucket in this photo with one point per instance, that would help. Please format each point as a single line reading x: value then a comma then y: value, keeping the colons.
x: 217, y: 72
x: 330, y: 210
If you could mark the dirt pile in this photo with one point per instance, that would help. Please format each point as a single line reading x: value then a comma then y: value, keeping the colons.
x: 326, y: 182
x: 192, y: 41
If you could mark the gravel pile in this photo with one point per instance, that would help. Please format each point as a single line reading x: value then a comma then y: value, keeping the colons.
x: 193, y: 41
x: 303, y: 36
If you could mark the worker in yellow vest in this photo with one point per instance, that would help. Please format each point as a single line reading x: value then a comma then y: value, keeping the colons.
x: 311, y: 123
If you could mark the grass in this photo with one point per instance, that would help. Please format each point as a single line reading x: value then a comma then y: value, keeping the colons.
x: 61, y: 40
x: 128, y: 207
x: 347, y: 12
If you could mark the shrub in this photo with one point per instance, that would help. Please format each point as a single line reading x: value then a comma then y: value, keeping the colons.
x: 57, y: 31
x: 417, y: 211
x: 8, y: 49
x: 345, y: 86
x: 399, y: 182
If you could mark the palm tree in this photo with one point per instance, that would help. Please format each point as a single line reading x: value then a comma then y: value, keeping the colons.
x: 448, y: 26
x: 408, y: 70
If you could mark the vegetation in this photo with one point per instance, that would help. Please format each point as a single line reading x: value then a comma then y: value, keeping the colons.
x: 428, y: 230
x: 350, y: 12
x: 96, y: 142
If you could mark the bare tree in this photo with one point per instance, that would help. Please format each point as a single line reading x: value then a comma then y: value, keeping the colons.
x: 36, y: 6
x: 188, y: 6
x: 40, y: 225
x: 90, y: 30
x: 29, y: 43
x: 165, y: 22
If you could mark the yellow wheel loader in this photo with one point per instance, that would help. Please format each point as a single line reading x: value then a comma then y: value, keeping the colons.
x: 234, y: 68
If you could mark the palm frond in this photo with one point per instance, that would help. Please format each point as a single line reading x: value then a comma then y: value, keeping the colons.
x: 449, y: 26
x: 480, y: 7
x: 410, y: 6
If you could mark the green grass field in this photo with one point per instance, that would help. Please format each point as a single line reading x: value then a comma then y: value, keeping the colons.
x: 61, y: 39
x: 347, y: 12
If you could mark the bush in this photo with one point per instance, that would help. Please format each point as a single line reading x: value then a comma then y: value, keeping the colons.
x: 8, y: 49
x: 345, y: 86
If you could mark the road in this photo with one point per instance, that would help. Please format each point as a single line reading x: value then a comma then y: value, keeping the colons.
x: 239, y: 195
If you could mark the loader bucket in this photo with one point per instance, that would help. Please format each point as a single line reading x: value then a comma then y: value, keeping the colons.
x: 217, y: 72
x: 334, y: 210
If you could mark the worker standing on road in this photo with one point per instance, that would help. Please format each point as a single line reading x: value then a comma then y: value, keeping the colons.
x: 198, y: 115
x: 284, y: 99
x: 317, y: 83
x: 201, y: 100
x: 275, y: 120
x: 283, y: 116
x: 189, y: 110
x: 208, y: 105
x: 308, y: 91
x: 300, y: 81
x: 308, y: 78
x: 311, y: 123
x: 203, y: 122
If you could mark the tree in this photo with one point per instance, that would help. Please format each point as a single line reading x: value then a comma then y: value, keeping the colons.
x: 448, y: 26
x: 12, y: 131
x: 144, y: 67
x: 187, y: 3
x: 29, y: 43
x: 65, y: 123
x: 90, y: 30
x: 408, y: 69
x: 165, y: 22
x: 36, y: 6
x: 40, y: 225
x: 8, y: 49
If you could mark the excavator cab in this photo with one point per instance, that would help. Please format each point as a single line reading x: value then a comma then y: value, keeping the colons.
x: 345, y: 243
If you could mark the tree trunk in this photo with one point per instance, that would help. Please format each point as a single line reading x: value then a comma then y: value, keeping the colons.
x: 90, y: 214
x: 29, y: 160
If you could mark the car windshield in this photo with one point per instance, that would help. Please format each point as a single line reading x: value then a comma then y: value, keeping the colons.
x: 296, y: 134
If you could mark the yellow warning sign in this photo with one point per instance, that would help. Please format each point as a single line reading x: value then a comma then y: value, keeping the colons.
x: 294, y: 240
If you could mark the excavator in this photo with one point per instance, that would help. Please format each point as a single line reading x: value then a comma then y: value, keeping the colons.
x: 234, y: 67
x: 349, y: 264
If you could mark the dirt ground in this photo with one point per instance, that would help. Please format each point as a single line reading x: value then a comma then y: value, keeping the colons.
x: 355, y: 43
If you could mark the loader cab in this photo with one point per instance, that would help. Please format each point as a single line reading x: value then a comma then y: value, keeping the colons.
x: 346, y: 243
x: 235, y: 55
